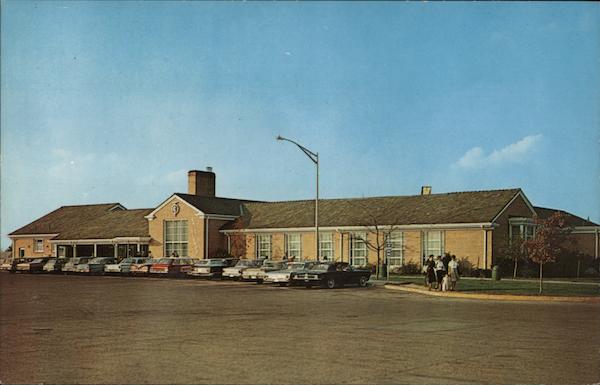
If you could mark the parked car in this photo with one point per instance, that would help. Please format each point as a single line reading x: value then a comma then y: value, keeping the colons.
x: 71, y: 265
x: 123, y: 267
x: 257, y: 273
x: 330, y: 275
x: 31, y: 266
x: 15, y: 262
x: 6, y: 264
x: 54, y: 265
x: 210, y: 268
x: 235, y: 272
x: 172, y: 267
x: 142, y: 268
x: 282, y: 277
x: 95, y: 265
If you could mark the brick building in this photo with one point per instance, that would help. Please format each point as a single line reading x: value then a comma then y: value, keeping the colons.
x: 472, y: 225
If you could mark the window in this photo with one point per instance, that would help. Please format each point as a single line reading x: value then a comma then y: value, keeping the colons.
x: 263, y: 246
x: 433, y: 244
x: 358, y: 249
x: 38, y: 246
x: 394, y: 248
x: 326, y: 246
x: 176, y: 238
x: 521, y: 227
x: 293, y: 246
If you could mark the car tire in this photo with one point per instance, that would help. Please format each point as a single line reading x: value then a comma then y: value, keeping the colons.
x: 363, y: 281
x: 330, y: 283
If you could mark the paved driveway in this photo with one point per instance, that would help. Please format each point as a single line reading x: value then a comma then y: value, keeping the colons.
x: 70, y: 329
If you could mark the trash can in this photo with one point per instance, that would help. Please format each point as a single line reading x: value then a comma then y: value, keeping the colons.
x: 495, y: 273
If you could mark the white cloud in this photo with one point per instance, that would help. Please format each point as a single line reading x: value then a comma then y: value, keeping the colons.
x: 476, y: 158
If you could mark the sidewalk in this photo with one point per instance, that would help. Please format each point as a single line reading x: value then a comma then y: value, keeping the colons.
x: 550, y: 280
x: 411, y: 288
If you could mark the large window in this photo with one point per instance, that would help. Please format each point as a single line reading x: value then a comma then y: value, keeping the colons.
x: 293, y: 246
x: 394, y: 249
x: 263, y: 246
x: 524, y: 230
x: 38, y: 246
x: 176, y: 238
x: 326, y: 246
x: 358, y: 249
x: 433, y: 244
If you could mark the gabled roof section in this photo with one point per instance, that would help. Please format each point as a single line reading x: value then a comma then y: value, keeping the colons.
x: 448, y: 208
x: 67, y: 217
x: 571, y: 220
x: 214, y: 205
x: 207, y: 205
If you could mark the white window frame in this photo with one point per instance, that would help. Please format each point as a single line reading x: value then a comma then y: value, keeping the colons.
x: 427, y: 249
x: 525, y: 225
x: 293, y: 246
x: 358, y: 239
x: 179, y: 243
x: 261, y: 241
x: 38, y: 245
x: 394, y: 248
x: 326, y: 246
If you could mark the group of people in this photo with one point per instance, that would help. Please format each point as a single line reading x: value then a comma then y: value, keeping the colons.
x: 442, y: 273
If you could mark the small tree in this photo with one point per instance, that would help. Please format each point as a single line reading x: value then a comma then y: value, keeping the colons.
x: 514, y: 251
x: 380, y: 232
x: 551, y: 238
x: 237, y: 240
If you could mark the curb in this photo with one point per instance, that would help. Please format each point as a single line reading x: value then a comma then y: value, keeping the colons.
x: 495, y: 297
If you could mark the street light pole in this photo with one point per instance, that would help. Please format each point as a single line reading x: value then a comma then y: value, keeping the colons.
x: 315, y: 158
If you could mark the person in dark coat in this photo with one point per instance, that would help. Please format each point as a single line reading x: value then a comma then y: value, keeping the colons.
x: 430, y: 277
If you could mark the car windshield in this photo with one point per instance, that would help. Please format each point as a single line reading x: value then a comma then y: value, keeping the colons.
x: 152, y: 261
x: 38, y: 260
x: 246, y: 263
x: 273, y: 265
x: 138, y: 260
x: 100, y: 260
x: 321, y: 266
x: 127, y: 260
x: 167, y: 261
x: 296, y: 265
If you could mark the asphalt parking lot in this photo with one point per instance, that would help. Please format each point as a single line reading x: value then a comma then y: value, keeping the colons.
x: 72, y: 329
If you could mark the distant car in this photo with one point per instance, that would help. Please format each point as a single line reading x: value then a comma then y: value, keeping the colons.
x: 257, y: 273
x: 210, y: 268
x: 54, y: 265
x: 124, y: 267
x: 71, y: 265
x: 32, y: 266
x: 235, y: 272
x: 282, y: 277
x: 172, y: 267
x: 6, y: 264
x: 331, y: 275
x: 95, y: 265
x: 142, y: 268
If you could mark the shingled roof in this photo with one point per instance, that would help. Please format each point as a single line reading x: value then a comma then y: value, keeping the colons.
x: 99, y: 221
x: 214, y: 205
x: 459, y: 207
x: 571, y: 220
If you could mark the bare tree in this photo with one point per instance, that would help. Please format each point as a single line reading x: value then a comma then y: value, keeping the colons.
x: 380, y: 234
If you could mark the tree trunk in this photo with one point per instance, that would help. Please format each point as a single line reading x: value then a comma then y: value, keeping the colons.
x: 541, y: 278
x: 378, y: 268
x: 578, y: 267
x: 515, y: 270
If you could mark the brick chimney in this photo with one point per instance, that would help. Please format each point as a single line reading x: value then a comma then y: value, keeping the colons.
x: 425, y: 190
x: 201, y: 183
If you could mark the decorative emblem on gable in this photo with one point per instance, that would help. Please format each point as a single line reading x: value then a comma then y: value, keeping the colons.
x: 175, y: 208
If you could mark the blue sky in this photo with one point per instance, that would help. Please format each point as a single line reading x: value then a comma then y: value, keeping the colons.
x: 115, y: 101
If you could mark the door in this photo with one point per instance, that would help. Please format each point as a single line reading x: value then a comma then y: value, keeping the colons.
x: 21, y: 252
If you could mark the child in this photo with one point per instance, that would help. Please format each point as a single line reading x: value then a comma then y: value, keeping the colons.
x: 446, y: 283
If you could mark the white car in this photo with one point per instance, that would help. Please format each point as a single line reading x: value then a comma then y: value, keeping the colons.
x: 257, y: 273
x: 282, y: 277
x: 71, y: 265
x: 235, y: 272
x: 124, y: 267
